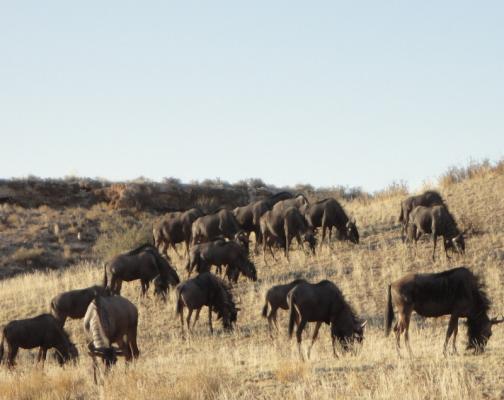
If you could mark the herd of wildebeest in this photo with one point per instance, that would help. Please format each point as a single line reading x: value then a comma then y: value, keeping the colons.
x: 221, y: 239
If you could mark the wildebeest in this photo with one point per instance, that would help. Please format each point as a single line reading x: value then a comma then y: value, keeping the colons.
x: 436, y: 221
x: 283, y: 226
x: 74, y: 303
x: 248, y: 216
x: 220, y: 223
x: 426, y: 199
x: 456, y: 292
x: 221, y: 253
x: 42, y: 331
x: 109, y: 320
x: 328, y: 213
x: 206, y: 290
x: 297, y: 201
x: 324, y: 302
x: 175, y: 228
x: 144, y: 263
x: 276, y: 297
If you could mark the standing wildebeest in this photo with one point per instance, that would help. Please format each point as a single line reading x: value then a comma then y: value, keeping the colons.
x: 74, y: 303
x: 426, y: 199
x: 144, y: 263
x: 175, y: 228
x: 43, y: 331
x: 248, y: 216
x: 206, y: 290
x: 276, y: 297
x: 108, y: 320
x: 221, y: 252
x: 282, y: 226
x: 436, y: 221
x: 220, y: 223
x: 456, y: 292
x: 323, y: 302
x: 328, y: 213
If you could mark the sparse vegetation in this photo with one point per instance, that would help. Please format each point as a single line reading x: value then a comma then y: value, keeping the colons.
x: 247, y: 363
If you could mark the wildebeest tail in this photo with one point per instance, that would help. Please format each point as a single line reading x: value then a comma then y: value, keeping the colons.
x: 292, y: 315
x: 389, y: 312
x: 180, y: 305
x: 2, y: 349
x: 105, y: 275
x: 265, y: 309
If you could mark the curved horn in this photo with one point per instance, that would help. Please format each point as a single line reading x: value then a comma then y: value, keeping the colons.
x: 364, y: 323
x: 496, y: 320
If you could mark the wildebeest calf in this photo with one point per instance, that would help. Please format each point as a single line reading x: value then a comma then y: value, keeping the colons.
x: 43, y: 331
x: 437, y: 221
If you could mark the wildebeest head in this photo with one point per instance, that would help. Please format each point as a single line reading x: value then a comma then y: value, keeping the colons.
x: 479, y: 331
x: 351, y: 232
x: 107, y: 354
x: 248, y: 269
x: 309, y: 237
x: 69, y: 353
x: 242, y: 239
x: 347, y: 336
x: 160, y: 287
x: 459, y: 243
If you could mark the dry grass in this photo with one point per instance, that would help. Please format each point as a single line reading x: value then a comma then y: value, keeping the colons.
x: 248, y: 364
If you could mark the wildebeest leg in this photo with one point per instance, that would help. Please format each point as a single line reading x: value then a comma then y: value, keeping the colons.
x: 299, y: 336
x: 333, y: 338
x: 196, y: 317
x: 275, y: 312
x: 315, y: 334
x: 434, y: 239
x: 452, y: 325
x: 42, y: 355
x: 145, y: 287
x: 11, y: 355
x: 125, y: 349
x: 182, y: 318
x: 287, y: 244
x: 445, y: 248
x: 407, y: 319
x: 210, y: 319
x: 188, y: 320
x: 132, y: 343
x: 187, y: 248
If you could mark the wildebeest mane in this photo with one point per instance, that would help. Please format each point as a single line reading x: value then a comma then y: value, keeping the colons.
x: 139, y: 249
x: 280, y: 194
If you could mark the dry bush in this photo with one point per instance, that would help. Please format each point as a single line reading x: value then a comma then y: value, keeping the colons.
x: 473, y: 170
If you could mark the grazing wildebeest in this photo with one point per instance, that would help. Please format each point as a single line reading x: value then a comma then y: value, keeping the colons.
x: 426, y: 199
x: 276, y: 297
x: 456, y: 292
x: 328, y: 213
x: 323, y: 302
x: 220, y: 223
x: 74, y: 303
x: 221, y: 252
x: 144, y: 263
x: 175, y: 228
x: 206, y: 290
x: 436, y: 221
x: 248, y: 216
x: 43, y: 331
x: 282, y: 226
x: 109, y: 320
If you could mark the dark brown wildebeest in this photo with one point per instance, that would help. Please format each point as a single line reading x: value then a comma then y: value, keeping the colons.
x: 109, y: 320
x: 324, y: 302
x: 426, y: 199
x: 144, y: 263
x: 456, y: 292
x: 221, y: 252
x: 43, y: 331
x: 74, y: 303
x: 175, y: 228
x: 206, y: 290
x: 221, y: 223
x: 328, y: 213
x: 436, y: 221
x: 297, y: 201
x: 276, y: 297
x: 282, y: 226
x: 248, y: 216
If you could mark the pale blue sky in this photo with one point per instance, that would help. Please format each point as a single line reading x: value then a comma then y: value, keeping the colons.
x: 357, y: 93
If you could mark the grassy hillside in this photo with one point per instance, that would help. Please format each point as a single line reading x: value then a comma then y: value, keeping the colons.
x: 249, y: 364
